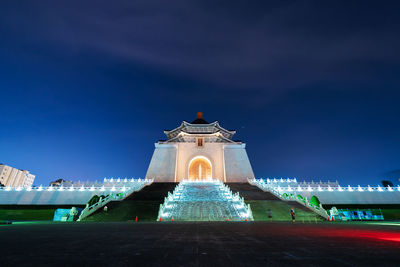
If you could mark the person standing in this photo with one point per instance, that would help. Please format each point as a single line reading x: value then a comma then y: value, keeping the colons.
x: 269, y: 214
x: 293, y: 214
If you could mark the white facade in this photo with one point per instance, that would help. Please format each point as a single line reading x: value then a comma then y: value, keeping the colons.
x: 355, y: 197
x: 72, y: 195
x: 208, y: 144
x: 331, y: 193
x: 12, y: 177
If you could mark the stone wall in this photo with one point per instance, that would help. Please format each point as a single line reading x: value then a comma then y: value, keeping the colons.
x: 237, y: 165
x: 354, y: 197
x: 163, y: 163
x: 45, y: 197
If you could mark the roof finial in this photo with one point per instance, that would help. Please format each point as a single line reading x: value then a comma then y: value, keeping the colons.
x: 200, y: 115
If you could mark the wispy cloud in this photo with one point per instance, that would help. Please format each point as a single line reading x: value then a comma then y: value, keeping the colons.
x: 277, y: 47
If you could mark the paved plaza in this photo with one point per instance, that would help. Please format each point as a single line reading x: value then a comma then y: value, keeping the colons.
x: 200, y: 244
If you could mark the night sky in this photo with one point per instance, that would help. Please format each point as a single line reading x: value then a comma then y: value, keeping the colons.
x: 87, y: 87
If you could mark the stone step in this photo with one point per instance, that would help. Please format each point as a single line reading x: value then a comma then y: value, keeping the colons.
x: 203, y: 201
x: 251, y: 192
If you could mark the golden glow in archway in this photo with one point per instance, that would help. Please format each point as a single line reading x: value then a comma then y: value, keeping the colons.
x: 200, y: 169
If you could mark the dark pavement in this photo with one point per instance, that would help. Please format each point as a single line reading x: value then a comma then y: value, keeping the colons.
x: 199, y: 244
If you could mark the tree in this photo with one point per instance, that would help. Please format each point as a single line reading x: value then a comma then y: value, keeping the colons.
x: 315, y: 201
x: 387, y: 183
x: 57, y: 182
x: 301, y: 198
x: 94, y: 200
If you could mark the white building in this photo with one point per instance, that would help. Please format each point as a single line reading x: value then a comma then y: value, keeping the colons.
x: 200, y: 150
x: 12, y: 177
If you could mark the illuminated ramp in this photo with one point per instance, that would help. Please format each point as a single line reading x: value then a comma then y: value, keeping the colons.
x: 204, y: 201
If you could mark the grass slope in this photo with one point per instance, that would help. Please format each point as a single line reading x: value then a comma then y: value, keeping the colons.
x: 280, y: 211
x: 143, y: 204
x: 127, y: 211
x: 261, y: 201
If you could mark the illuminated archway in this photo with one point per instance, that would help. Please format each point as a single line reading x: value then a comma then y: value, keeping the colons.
x: 200, y: 168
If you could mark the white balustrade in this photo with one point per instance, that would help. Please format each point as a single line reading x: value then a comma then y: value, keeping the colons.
x: 266, y: 185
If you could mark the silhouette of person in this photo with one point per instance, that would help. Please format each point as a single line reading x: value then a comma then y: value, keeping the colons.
x: 293, y: 214
x: 269, y: 214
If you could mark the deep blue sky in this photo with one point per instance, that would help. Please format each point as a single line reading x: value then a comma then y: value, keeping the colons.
x: 312, y: 87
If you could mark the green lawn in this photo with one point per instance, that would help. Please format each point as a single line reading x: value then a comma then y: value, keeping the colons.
x: 26, y: 214
x: 391, y: 214
x: 30, y: 212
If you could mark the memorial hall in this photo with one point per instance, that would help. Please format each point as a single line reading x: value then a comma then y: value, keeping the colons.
x: 200, y: 151
x: 201, y: 173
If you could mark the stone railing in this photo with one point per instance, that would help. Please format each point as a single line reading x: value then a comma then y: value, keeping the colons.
x: 88, y: 210
x: 125, y: 192
x: 339, y: 188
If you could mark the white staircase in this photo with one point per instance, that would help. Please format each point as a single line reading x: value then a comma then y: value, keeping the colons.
x: 209, y: 200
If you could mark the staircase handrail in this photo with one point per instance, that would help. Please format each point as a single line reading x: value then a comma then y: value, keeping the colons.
x: 88, y: 210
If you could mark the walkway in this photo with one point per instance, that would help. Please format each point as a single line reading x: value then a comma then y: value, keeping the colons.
x: 200, y: 244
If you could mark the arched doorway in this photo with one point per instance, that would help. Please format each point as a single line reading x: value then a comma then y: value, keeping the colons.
x: 200, y: 168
